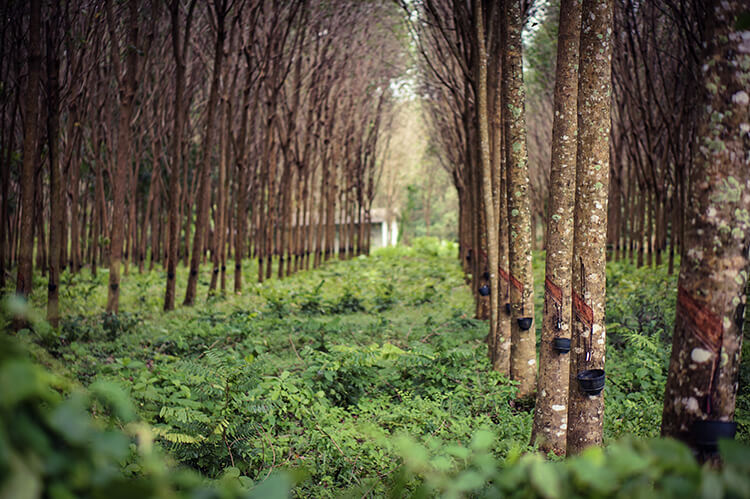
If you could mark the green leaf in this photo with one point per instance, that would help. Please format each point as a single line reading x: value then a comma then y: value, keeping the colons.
x: 544, y: 479
x: 18, y: 380
x: 482, y: 440
x: 71, y: 421
x: 231, y: 472
x: 711, y: 486
x: 468, y: 480
x: 735, y: 454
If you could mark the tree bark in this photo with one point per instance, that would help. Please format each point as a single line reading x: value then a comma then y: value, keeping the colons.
x: 590, y: 226
x: 485, y: 164
x: 53, y: 153
x: 523, y: 347
x: 551, y: 411
x: 204, y: 186
x: 30, y: 134
x: 127, y: 87
x: 707, y: 341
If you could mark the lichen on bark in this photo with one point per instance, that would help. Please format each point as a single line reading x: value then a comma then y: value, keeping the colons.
x: 549, y: 430
x: 707, y: 340
x: 523, y: 342
x: 590, y: 225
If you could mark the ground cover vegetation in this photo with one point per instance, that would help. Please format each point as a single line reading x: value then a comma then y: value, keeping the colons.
x: 363, y: 376
x: 150, y: 147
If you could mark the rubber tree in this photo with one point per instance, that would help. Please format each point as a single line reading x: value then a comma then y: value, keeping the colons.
x: 585, y: 411
x: 523, y: 337
x: 219, y: 11
x: 707, y: 340
x: 126, y: 83
x: 179, y: 52
x: 550, y: 413
x: 30, y: 136
x: 482, y: 116
x: 53, y: 154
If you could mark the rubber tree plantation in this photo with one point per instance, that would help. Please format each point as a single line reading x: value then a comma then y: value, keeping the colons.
x: 382, y: 248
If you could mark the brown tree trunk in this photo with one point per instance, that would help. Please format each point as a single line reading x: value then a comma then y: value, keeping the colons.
x: 143, y: 242
x: 120, y: 178
x: 243, y: 172
x: 219, y: 227
x: 5, y: 221
x: 155, y: 221
x: 650, y: 200
x: 551, y: 410
x: 485, y: 164
x: 204, y: 185
x: 673, y: 230
x: 585, y: 411
x: 641, y: 214
x: 30, y: 134
x: 39, y: 212
x: 523, y: 348
x: 77, y: 229
x: 707, y: 341
x: 174, y: 192
x: 53, y: 153
x: 503, y: 342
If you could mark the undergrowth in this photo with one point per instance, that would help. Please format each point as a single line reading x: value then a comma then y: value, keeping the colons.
x: 370, y: 375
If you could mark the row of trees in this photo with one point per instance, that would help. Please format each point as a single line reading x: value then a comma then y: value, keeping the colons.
x: 662, y: 121
x: 152, y: 131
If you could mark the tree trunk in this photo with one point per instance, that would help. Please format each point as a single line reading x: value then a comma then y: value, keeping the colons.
x: 120, y: 178
x: 77, y: 230
x: 53, y: 153
x: 485, y: 163
x: 523, y: 348
x: 5, y: 221
x: 219, y: 227
x: 585, y: 411
x: 243, y: 172
x: 155, y: 220
x: 550, y: 413
x: 707, y: 341
x: 204, y: 185
x: 30, y: 134
x: 174, y: 193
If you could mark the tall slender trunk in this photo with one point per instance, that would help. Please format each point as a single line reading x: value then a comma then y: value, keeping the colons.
x: 585, y: 412
x: 219, y: 228
x: 485, y: 163
x: 30, y: 134
x: 550, y: 413
x: 641, y: 224
x: 243, y: 172
x: 124, y: 136
x: 39, y: 212
x: 204, y: 183
x: 5, y: 222
x: 523, y: 348
x: 673, y: 230
x: 143, y: 242
x: 77, y: 230
x: 53, y: 154
x: 155, y: 223
x: 504, y: 340
x: 650, y: 200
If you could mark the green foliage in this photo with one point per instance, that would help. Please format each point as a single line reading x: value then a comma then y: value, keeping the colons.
x: 50, y: 445
x: 369, y: 376
x: 640, y: 320
x: 629, y: 468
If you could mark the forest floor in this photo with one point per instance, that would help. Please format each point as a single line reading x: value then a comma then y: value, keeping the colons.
x: 344, y: 370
